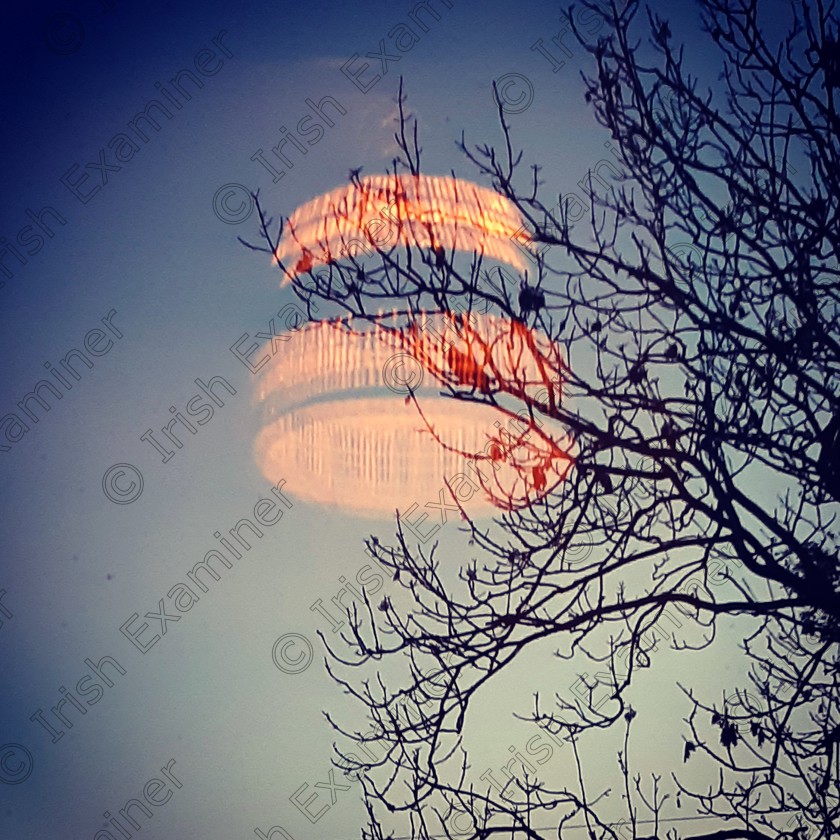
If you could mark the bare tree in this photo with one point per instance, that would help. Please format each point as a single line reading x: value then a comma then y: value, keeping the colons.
x: 695, y: 298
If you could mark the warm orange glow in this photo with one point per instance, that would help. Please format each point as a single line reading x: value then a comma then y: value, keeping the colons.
x: 353, y: 413
x: 384, y: 211
x: 372, y: 456
x: 342, y: 428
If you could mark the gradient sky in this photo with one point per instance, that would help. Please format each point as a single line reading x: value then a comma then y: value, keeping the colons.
x: 244, y: 735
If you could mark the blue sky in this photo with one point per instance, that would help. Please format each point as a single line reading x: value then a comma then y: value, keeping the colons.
x: 147, y: 253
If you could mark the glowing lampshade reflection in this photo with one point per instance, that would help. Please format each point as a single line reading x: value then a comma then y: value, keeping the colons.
x: 340, y: 430
x: 385, y: 211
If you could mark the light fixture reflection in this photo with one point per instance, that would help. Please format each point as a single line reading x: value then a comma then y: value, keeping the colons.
x: 353, y: 413
x: 341, y: 428
x: 383, y: 211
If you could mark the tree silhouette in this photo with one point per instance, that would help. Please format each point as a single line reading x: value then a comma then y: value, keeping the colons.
x: 695, y: 298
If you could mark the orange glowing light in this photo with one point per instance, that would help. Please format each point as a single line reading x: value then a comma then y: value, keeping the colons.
x: 342, y: 429
x: 354, y: 415
x: 384, y: 211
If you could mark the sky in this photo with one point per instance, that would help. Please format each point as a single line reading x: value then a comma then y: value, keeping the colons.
x: 124, y: 244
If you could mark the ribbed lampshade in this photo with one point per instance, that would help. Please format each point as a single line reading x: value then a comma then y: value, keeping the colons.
x: 426, y: 211
x: 340, y: 429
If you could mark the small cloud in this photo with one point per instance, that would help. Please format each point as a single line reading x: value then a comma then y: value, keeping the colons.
x: 381, y: 115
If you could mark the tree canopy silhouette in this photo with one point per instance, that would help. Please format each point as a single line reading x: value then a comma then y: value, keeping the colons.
x: 695, y: 296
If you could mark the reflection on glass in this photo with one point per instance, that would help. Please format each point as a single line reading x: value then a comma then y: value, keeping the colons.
x: 354, y: 415
x: 353, y: 412
x: 384, y: 211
